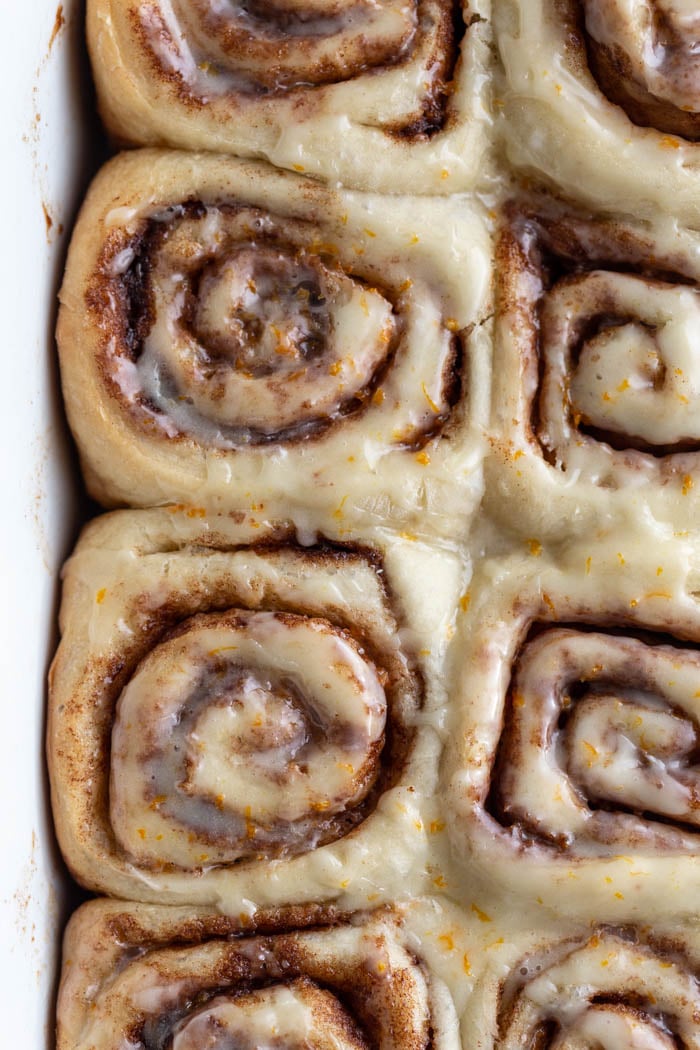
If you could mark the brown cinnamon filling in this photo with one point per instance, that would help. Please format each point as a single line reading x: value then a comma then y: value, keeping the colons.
x: 552, y: 252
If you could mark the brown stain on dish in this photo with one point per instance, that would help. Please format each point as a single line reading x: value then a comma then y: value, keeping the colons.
x: 47, y: 219
x: 59, y: 22
x: 51, y: 228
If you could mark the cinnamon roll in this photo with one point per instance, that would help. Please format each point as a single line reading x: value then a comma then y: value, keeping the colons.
x: 387, y: 97
x: 602, y: 97
x: 147, y: 977
x: 574, y: 771
x: 235, y: 716
x: 596, y: 383
x: 231, y: 333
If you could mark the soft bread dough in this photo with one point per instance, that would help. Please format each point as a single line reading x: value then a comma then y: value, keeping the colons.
x: 559, y: 124
x: 366, y: 130
x: 148, y: 424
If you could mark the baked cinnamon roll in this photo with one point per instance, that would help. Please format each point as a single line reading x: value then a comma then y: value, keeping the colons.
x: 227, y: 331
x: 574, y: 771
x: 596, y: 382
x: 387, y: 97
x: 233, y: 715
x: 602, y: 98
x: 149, y: 977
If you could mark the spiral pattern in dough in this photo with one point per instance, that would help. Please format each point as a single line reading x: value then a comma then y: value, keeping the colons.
x: 600, y: 741
x: 229, y: 328
x: 239, y: 327
x: 619, y: 363
x: 597, y: 384
x: 266, y: 47
x: 574, y: 764
x: 224, y: 703
x: 244, y: 734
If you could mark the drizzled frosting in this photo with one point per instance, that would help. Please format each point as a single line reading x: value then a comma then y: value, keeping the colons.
x: 296, y: 1014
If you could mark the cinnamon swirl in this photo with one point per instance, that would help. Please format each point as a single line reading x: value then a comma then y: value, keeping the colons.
x: 596, y: 382
x: 574, y: 773
x: 387, y: 97
x: 602, y: 97
x: 227, y: 331
x: 233, y: 715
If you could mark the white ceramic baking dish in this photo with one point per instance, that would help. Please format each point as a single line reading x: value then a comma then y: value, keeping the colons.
x: 48, y: 153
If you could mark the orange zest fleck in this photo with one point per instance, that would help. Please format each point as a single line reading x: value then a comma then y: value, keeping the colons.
x: 481, y: 915
x: 338, y: 512
x: 429, y: 399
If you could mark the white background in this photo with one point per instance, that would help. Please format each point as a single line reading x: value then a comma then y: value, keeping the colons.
x: 45, y: 160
